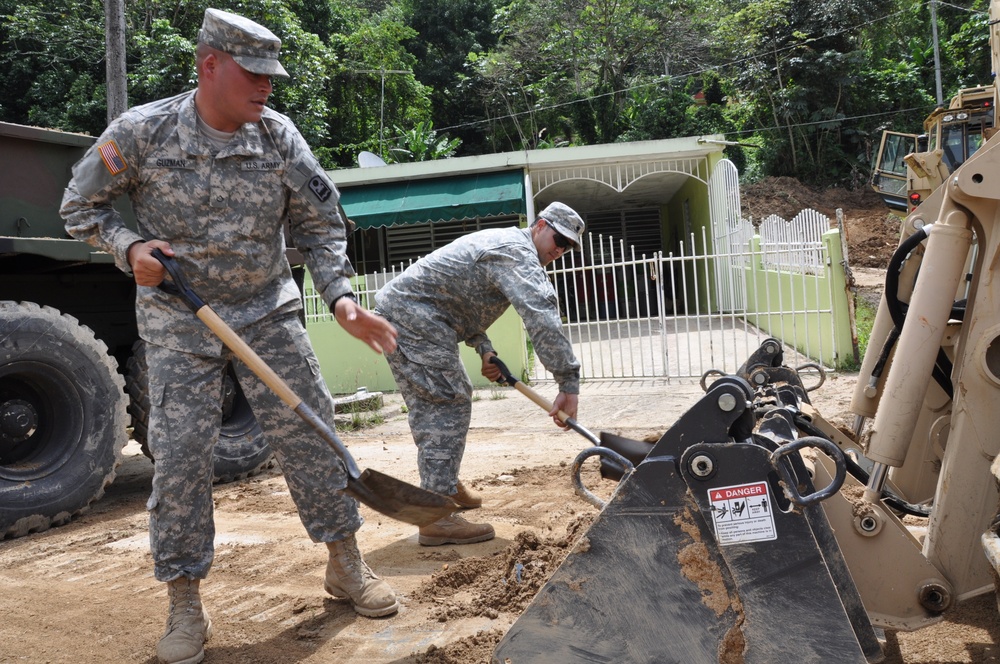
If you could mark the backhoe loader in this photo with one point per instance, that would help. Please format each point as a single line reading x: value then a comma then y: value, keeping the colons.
x: 757, y: 531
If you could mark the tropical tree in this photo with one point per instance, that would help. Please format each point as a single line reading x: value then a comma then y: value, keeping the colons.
x: 566, y: 69
x: 796, y: 63
x: 445, y: 32
x: 373, y: 87
x: 52, y: 56
x: 812, y: 82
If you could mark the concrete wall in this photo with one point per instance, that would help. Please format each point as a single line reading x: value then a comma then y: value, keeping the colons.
x: 825, y: 330
x: 348, y: 364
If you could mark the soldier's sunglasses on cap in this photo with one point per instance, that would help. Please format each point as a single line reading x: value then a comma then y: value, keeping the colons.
x: 561, y: 240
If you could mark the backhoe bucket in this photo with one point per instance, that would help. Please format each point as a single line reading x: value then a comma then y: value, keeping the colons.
x: 699, y: 557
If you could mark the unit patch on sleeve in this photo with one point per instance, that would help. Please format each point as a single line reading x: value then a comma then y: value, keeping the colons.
x: 319, y: 187
x: 112, y: 157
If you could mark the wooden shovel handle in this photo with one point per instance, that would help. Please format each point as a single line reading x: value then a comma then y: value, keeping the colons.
x: 521, y: 387
x: 564, y: 417
x: 248, y: 356
x: 540, y: 400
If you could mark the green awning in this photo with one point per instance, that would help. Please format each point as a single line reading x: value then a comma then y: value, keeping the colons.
x: 435, y: 199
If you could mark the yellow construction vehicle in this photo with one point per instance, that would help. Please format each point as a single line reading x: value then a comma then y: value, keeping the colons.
x: 908, y: 167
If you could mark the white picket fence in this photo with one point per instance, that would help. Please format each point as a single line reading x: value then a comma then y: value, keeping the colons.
x: 665, y: 315
x: 794, y: 245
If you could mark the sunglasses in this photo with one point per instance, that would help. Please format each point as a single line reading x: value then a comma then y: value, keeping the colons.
x: 560, y: 240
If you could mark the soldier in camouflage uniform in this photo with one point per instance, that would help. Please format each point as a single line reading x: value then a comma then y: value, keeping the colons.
x: 450, y: 296
x: 214, y: 176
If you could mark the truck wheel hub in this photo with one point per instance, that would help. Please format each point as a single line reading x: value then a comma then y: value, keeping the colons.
x: 228, y: 397
x: 18, y: 420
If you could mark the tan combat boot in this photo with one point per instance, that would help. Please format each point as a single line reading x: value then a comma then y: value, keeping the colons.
x: 466, y: 498
x: 455, y: 530
x: 349, y: 577
x: 188, y: 626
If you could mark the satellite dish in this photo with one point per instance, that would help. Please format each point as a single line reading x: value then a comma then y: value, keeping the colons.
x: 369, y: 159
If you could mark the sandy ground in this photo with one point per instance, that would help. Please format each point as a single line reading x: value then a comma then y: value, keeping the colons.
x: 85, y: 592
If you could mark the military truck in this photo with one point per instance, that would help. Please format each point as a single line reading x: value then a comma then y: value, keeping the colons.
x: 72, y: 366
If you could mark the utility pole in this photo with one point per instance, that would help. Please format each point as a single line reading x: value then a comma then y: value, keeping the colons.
x: 114, y: 46
x: 937, y: 53
x: 381, y: 111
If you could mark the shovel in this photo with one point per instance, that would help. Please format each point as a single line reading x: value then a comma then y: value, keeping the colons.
x: 634, y: 451
x: 619, y: 455
x: 385, y: 494
x: 518, y: 385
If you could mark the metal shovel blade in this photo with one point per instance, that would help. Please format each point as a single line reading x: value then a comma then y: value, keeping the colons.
x: 399, y: 500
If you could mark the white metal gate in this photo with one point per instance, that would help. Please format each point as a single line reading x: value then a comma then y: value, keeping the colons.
x: 681, y: 314
x: 729, y: 235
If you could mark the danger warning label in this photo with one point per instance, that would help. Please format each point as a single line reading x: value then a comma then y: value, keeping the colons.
x: 742, y: 513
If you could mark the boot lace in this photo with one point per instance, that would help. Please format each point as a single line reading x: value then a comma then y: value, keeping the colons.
x: 183, y: 603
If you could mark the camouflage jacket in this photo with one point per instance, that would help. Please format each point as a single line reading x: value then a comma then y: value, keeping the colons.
x: 454, y: 293
x: 224, y: 215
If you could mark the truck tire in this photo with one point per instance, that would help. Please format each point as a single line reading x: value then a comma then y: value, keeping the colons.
x: 241, y: 451
x: 62, y: 418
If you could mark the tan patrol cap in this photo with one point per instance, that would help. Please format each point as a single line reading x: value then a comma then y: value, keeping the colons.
x: 253, y: 47
x: 565, y: 221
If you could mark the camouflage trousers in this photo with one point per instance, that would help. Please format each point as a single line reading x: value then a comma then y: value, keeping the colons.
x: 184, y: 421
x: 439, y: 402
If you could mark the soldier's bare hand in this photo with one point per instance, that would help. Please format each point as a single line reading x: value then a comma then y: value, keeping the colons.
x: 362, y: 324
x: 567, y: 403
x: 490, y: 371
x: 147, y: 270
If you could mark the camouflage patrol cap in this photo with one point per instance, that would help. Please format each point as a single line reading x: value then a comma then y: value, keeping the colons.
x: 565, y: 221
x: 253, y: 47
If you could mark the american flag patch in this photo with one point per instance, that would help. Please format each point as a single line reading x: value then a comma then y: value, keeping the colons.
x: 112, y: 157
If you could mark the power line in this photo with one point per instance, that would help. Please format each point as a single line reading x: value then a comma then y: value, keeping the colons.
x: 964, y: 9
x: 726, y: 65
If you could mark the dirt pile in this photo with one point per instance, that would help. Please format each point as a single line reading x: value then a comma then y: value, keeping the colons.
x: 872, y: 230
x: 504, y: 582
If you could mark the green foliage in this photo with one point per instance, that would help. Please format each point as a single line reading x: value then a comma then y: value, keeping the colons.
x: 564, y: 71
x: 166, y: 66
x: 53, y: 63
x: 797, y: 73
x: 421, y: 143
x: 813, y: 82
x: 373, y: 87
x: 445, y: 33
x: 864, y: 319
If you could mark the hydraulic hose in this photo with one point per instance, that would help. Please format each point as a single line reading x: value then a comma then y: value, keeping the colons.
x: 897, y: 311
x: 861, y: 475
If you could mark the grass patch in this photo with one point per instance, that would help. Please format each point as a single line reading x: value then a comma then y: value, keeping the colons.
x: 864, y: 319
x: 358, y: 419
